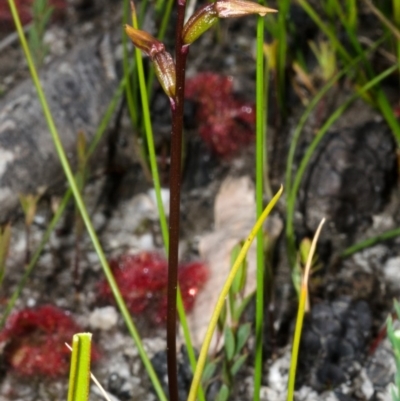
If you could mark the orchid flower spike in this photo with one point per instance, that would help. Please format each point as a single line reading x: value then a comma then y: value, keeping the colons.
x: 164, y: 65
x: 208, y: 15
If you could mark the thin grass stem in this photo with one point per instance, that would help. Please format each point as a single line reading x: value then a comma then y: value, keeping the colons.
x: 260, y: 125
x: 387, y: 235
x: 150, y: 140
x: 300, y: 315
x: 281, y: 56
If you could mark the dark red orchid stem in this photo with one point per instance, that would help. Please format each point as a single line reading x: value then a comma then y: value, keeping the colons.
x: 175, y: 189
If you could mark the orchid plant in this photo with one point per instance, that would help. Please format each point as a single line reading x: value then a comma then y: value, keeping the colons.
x: 171, y: 75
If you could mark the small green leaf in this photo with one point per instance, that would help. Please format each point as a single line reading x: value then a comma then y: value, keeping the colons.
x: 235, y: 253
x: 240, y: 278
x: 223, y: 393
x: 242, y: 336
x: 222, y: 318
x: 209, y: 371
x: 229, y: 343
x: 238, y: 364
x: 243, y: 280
x: 239, y: 311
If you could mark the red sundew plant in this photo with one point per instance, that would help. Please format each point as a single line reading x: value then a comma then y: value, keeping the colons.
x: 25, y: 12
x: 142, y: 281
x: 34, y: 341
x: 225, y: 123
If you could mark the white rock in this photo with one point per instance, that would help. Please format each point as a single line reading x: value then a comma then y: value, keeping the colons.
x: 165, y: 195
x: 103, y: 318
x: 391, y: 271
x: 367, y: 387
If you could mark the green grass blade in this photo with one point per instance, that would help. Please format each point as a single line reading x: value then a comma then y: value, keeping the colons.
x: 370, y: 242
x: 79, y: 374
x: 282, y: 53
x: 150, y: 141
x: 260, y: 125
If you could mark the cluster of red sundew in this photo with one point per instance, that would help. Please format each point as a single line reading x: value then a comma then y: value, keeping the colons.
x: 34, y: 341
x: 142, y: 280
x: 226, y: 123
x: 24, y: 8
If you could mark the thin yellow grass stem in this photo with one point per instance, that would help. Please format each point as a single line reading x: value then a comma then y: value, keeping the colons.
x: 300, y: 314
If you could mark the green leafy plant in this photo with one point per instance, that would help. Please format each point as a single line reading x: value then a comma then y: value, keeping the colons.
x: 224, y: 293
x: 234, y: 332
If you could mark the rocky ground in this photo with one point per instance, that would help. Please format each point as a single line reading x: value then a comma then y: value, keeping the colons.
x: 352, y: 181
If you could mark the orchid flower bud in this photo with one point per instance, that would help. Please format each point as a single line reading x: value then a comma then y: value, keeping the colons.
x: 164, y: 68
x: 240, y: 8
x: 198, y: 23
x: 144, y: 41
x: 208, y: 15
x: 164, y: 65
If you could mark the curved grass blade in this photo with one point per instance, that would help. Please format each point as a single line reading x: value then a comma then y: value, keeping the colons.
x: 300, y: 314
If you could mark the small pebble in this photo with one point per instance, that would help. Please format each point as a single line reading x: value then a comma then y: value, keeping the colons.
x: 103, y: 318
